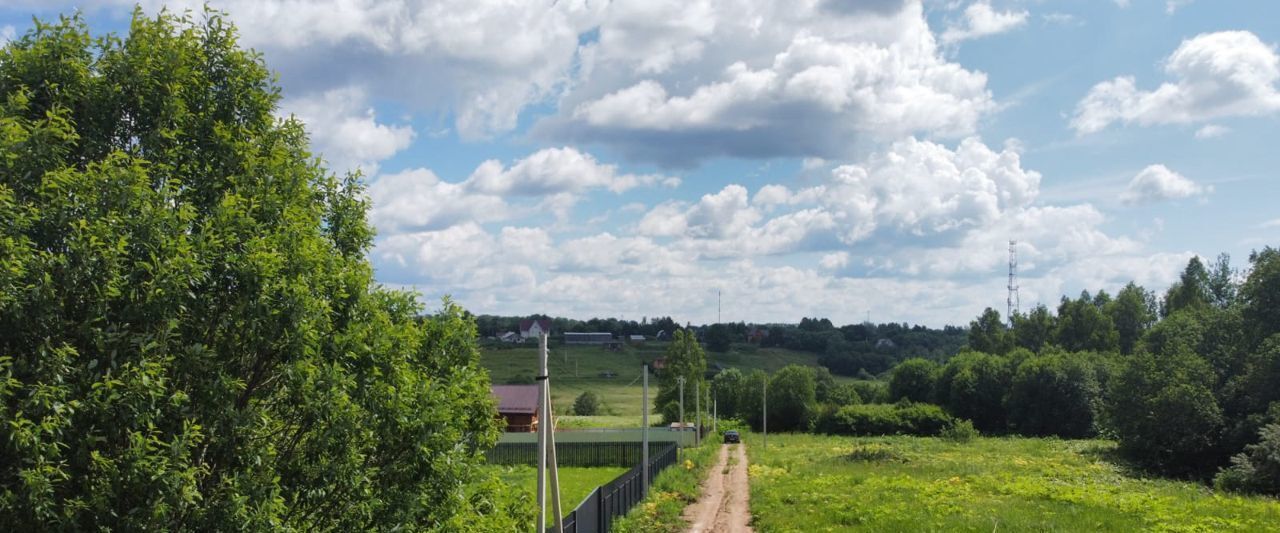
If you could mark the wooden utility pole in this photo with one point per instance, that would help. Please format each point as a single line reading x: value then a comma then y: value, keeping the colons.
x: 697, y: 410
x: 644, y: 432
x: 764, y: 392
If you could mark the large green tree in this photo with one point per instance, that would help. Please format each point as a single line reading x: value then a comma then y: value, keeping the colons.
x: 1132, y: 312
x: 1082, y: 326
x: 989, y: 334
x: 190, y: 333
x: 684, y: 359
x: 792, y: 398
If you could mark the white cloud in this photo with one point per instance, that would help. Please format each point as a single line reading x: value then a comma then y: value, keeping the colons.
x: 764, y: 79
x: 1170, y: 6
x: 981, y: 20
x: 1122, y: 3
x: 1157, y: 183
x: 1215, y: 75
x: 1210, y: 131
x: 417, y: 199
x: 478, y: 62
x: 557, y: 170
x: 550, y: 180
x: 1064, y: 19
x: 7, y: 33
x: 1270, y: 224
x: 834, y: 261
x: 345, y: 131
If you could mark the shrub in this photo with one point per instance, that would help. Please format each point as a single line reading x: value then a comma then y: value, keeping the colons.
x: 1054, y: 395
x: 871, y: 391
x: 889, y: 419
x: 1257, y: 469
x: 973, y: 385
x: 960, y: 431
x: 913, y: 379
x: 1164, y: 414
x: 587, y: 404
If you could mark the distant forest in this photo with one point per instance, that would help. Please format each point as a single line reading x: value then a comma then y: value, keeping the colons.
x: 852, y: 350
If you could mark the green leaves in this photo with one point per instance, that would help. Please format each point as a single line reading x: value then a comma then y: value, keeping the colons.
x: 190, y: 334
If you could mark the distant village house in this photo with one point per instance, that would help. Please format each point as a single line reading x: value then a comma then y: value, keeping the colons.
x: 532, y: 329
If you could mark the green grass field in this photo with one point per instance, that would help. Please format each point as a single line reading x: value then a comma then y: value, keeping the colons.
x: 575, y: 369
x: 819, y: 483
x: 575, y: 483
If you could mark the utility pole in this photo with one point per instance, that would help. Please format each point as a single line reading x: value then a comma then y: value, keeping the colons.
x: 542, y: 433
x: 764, y: 393
x: 681, y: 380
x: 644, y: 432
x: 697, y: 410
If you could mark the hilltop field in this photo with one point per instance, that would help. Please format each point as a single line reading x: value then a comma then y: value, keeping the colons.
x: 575, y: 369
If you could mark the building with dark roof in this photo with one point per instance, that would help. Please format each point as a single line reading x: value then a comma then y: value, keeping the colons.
x: 517, y: 406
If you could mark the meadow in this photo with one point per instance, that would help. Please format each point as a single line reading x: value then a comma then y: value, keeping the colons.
x: 817, y: 483
x: 575, y: 369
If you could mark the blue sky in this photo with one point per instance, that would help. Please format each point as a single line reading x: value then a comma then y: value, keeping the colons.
x: 814, y: 158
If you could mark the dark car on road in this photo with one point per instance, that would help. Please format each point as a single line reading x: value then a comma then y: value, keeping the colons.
x: 731, y: 436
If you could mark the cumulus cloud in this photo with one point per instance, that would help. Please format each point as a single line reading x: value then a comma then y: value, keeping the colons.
x: 7, y: 33
x: 1157, y: 183
x: 346, y: 132
x: 981, y: 20
x: 478, y: 62
x: 549, y: 180
x: 557, y: 170
x: 1215, y: 75
x: 770, y: 79
x: 1210, y: 131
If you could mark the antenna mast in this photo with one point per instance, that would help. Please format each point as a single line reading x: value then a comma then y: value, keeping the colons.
x: 1013, y: 300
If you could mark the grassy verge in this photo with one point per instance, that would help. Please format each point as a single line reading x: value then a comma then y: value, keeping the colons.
x: 823, y: 483
x: 575, y: 484
x: 672, y: 490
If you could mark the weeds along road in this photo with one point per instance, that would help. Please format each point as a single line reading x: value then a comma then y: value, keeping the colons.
x: 722, y: 507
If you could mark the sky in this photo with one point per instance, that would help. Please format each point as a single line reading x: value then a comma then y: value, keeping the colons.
x: 849, y: 159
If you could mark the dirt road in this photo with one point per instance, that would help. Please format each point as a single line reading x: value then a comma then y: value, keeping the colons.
x: 723, y: 505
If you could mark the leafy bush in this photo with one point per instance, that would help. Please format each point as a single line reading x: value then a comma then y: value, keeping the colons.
x: 871, y: 391
x: 888, y: 419
x: 973, y: 385
x: 913, y: 379
x: 960, y: 431
x: 587, y: 404
x: 1257, y: 469
x: 1164, y: 413
x: 1055, y: 395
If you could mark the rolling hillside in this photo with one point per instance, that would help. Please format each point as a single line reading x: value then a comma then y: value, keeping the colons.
x: 575, y: 369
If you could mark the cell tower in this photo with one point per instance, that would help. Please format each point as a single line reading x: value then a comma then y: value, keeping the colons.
x: 1013, y: 301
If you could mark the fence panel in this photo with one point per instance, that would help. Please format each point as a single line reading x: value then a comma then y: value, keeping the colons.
x: 574, y: 453
x: 597, y: 513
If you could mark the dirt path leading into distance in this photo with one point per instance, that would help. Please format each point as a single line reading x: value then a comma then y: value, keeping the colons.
x: 723, y: 505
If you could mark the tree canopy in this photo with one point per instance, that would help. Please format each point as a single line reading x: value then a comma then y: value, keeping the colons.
x: 190, y: 333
